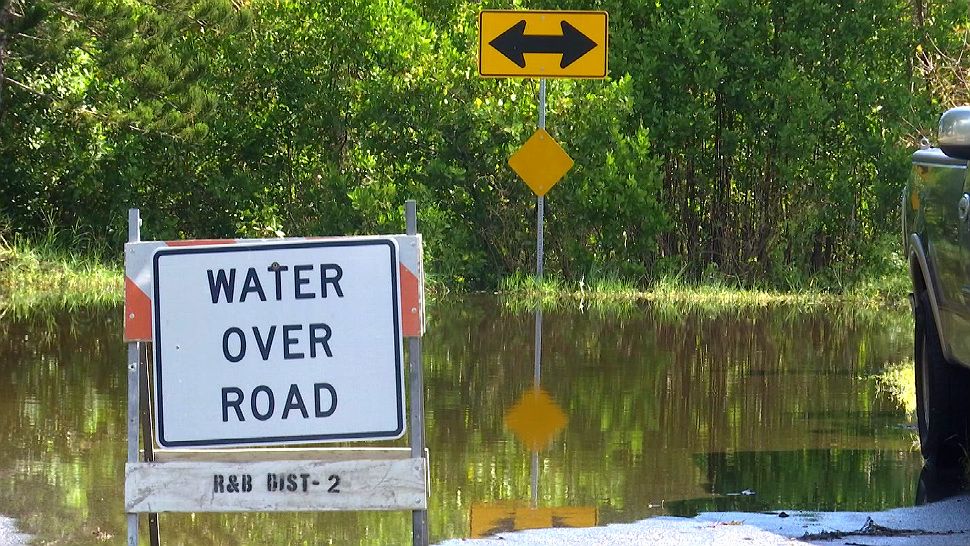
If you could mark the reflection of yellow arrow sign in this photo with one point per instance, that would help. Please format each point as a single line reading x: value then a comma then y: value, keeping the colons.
x: 488, y: 519
x: 542, y: 44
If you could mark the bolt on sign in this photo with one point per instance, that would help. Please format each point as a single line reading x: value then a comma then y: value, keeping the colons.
x: 541, y: 162
x: 278, y: 343
x: 542, y: 44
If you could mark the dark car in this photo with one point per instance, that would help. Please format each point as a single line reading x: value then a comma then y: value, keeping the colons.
x: 936, y: 235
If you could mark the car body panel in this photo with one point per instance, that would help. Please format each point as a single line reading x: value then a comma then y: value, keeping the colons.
x: 939, y: 249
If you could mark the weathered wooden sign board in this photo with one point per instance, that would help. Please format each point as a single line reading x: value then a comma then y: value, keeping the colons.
x: 272, y: 343
x: 276, y: 486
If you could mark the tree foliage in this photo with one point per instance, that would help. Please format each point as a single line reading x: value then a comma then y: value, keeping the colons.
x: 756, y: 139
x: 84, y: 81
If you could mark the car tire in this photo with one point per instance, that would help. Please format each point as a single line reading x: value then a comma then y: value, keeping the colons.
x: 936, y: 484
x: 942, y: 395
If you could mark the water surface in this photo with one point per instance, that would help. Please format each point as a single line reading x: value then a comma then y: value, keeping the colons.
x: 659, y: 412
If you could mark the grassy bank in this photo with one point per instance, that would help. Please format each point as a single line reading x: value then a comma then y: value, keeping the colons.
x: 48, y: 275
x: 877, y: 292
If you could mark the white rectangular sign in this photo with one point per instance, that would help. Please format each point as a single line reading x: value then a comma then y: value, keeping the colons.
x: 278, y: 343
x: 276, y: 486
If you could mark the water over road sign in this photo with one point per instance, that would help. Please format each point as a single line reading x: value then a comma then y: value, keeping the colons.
x: 542, y: 44
x: 278, y: 343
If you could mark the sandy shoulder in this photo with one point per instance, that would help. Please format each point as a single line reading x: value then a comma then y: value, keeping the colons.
x: 9, y: 535
x: 942, y: 523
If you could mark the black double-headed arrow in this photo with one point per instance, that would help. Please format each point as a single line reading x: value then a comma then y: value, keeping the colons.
x: 514, y: 44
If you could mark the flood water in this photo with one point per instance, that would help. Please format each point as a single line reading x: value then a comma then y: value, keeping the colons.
x: 642, y: 411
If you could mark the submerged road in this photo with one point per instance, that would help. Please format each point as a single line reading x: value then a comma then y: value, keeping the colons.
x: 943, y: 523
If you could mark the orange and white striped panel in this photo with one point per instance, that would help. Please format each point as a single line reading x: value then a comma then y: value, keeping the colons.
x: 138, y: 281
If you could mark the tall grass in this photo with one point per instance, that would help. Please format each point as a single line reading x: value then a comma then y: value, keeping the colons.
x: 877, y: 281
x: 712, y: 293
x: 64, y: 269
x: 58, y: 271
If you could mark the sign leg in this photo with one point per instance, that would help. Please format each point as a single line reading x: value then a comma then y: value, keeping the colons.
x: 147, y: 435
x: 133, y: 395
x: 134, y: 355
x: 419, y: 518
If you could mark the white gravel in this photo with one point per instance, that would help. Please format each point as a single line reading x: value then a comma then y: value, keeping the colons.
x: 943, y: 523
x: 9, y: 536
x: 661, y: 530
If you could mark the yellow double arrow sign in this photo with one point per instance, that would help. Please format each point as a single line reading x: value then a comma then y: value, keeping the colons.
x: 542, y: 44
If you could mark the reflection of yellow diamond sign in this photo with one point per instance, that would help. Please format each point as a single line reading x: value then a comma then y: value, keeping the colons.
x: 535, y: 419
x: 540, y: 162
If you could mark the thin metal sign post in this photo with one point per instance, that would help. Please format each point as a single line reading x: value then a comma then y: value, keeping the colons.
x: 147, y: 435
x: 134, y: 386
x: 540, y: 218
x: 138, y: 406
x: 419, y: 518
x: 540, y: 221
x: 540, y: 200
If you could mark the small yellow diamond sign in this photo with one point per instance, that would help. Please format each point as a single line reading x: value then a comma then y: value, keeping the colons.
x: 535, y: 419
x: 540, y: 162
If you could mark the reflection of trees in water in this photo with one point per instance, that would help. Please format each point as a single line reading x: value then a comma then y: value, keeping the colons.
x: 62, y: 446
x: 806, y: 479
x: 650, y: 397
x: 61, y: 421
x: 662, y: 407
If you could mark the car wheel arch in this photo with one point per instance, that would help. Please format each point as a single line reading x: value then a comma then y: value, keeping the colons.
x: 919, y: 270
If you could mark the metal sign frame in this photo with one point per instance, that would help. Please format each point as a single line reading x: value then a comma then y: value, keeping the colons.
x: 149, y: 470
